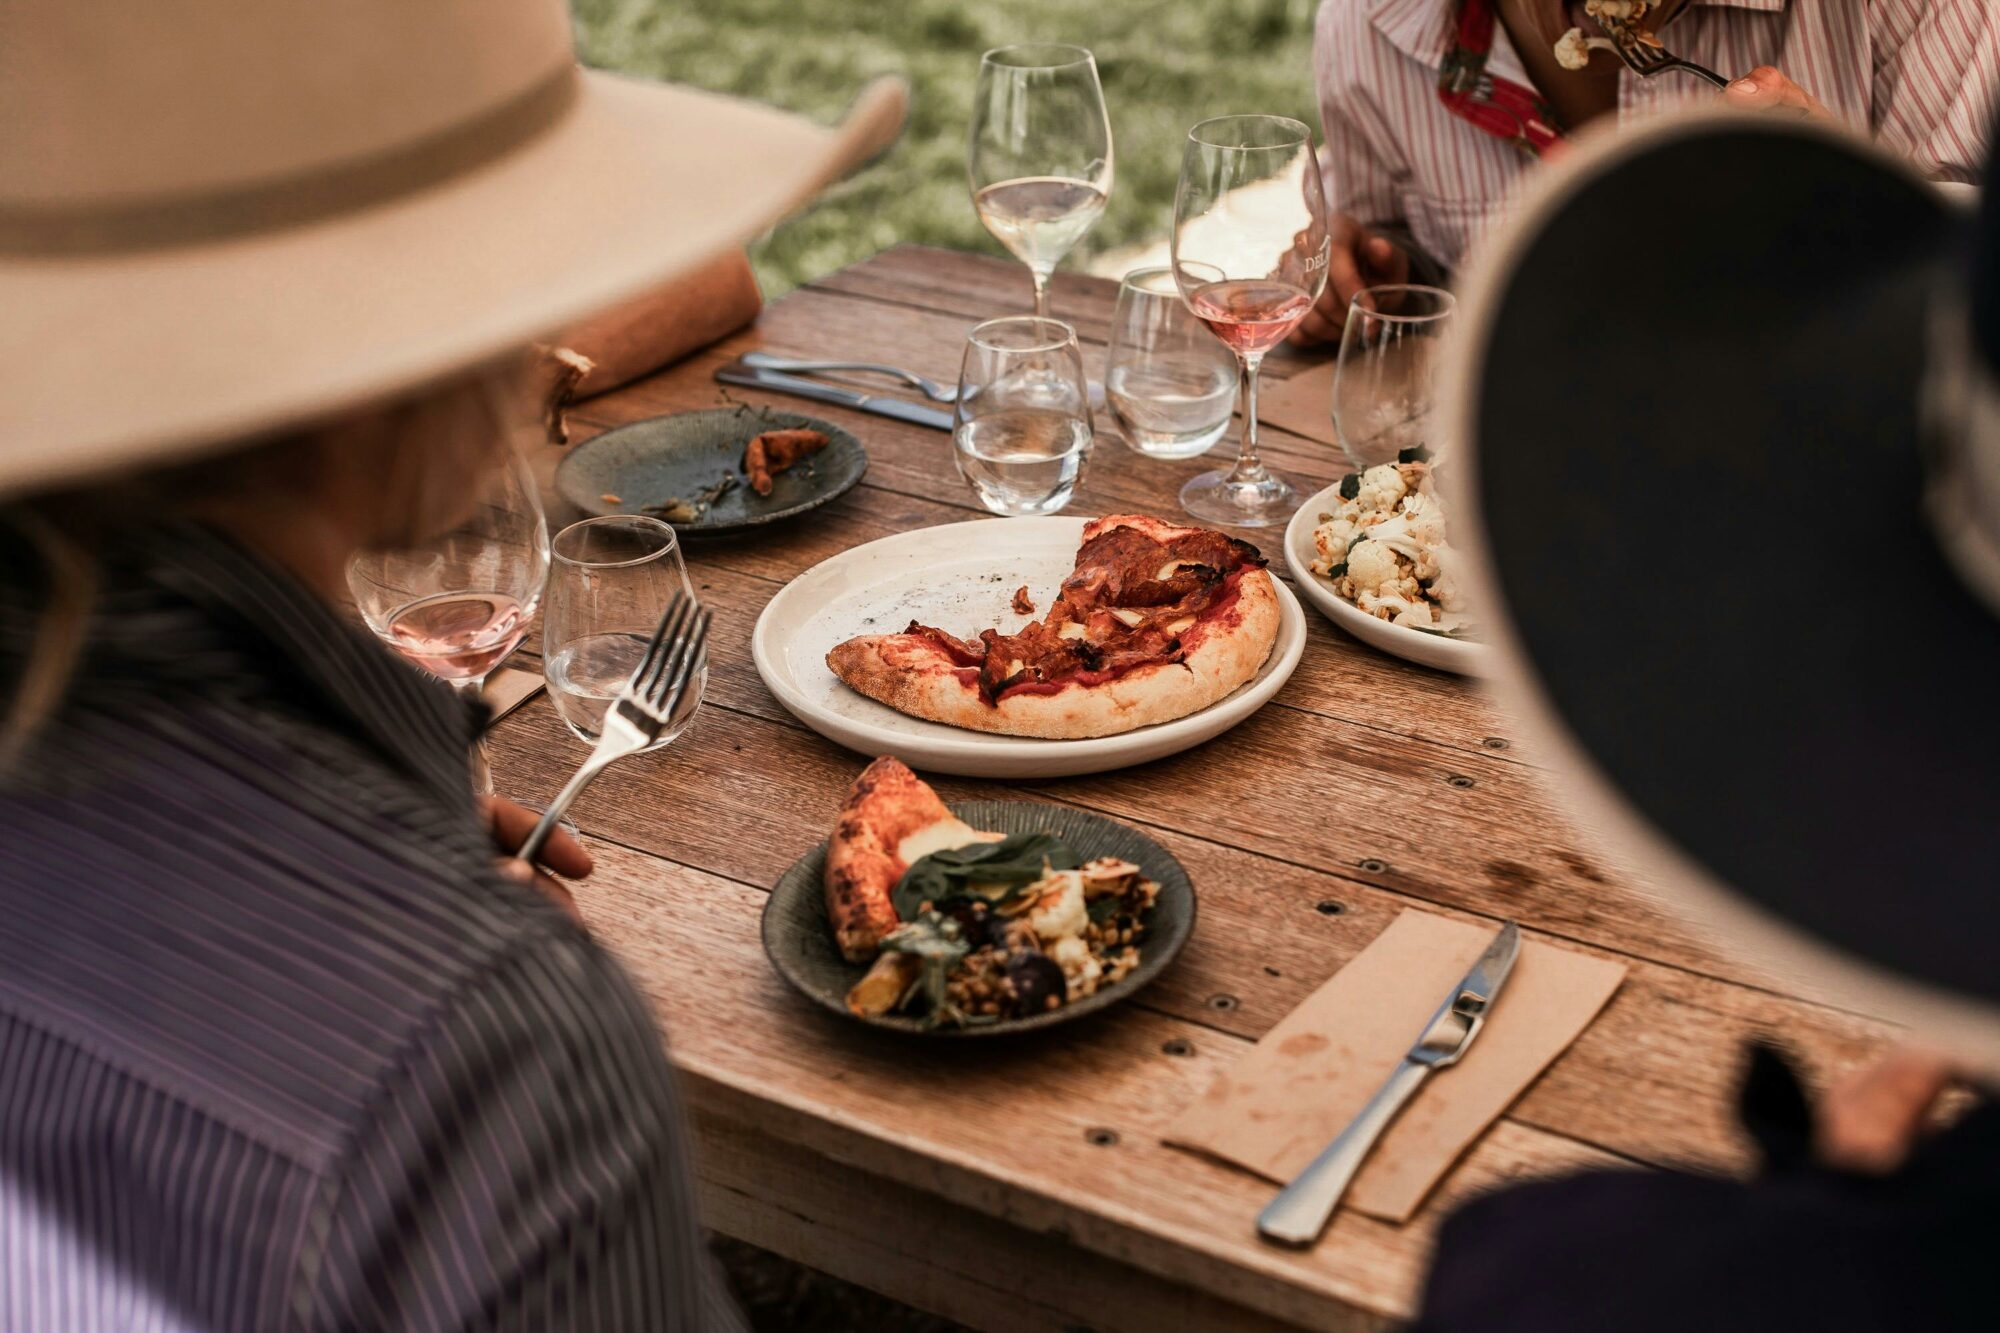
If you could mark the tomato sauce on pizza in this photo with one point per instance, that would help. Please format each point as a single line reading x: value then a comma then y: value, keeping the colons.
x: 1145, y: 598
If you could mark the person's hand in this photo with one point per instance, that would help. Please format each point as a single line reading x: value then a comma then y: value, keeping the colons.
x: 1358, y: 258
x: 510, y: 825
x: 1870, y: 1120
x: 1766, y: 89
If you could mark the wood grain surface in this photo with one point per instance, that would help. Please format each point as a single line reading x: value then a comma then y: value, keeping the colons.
x: 1023, y: 1184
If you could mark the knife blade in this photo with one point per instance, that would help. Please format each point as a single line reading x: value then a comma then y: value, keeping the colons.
x: 1300, y: 1211
x: 900, y: 409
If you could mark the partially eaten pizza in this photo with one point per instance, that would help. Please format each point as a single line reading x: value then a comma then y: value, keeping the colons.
x: 964, y: 927
x: 1156, y: 621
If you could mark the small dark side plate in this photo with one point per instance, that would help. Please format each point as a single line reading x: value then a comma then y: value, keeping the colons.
x: 801, y: 946
x: 649, y: 462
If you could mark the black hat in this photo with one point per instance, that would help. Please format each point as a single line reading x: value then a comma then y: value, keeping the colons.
x: 1724, y: 422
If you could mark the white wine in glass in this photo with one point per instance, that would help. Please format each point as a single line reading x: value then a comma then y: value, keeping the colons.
x: 1250, y: 249
x: 1040, y: 155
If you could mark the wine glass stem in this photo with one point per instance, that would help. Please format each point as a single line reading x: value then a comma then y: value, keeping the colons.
x: 482, y: 773
x: 1249, y: 467
x: 1041, y: 292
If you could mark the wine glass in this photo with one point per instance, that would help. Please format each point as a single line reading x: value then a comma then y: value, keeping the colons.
x: 1249, y: 254
x: 457, y: 604
x: 1021, y: 427
x: 612, y: 580
x: 1385, y: 381
x: 1040, y: 156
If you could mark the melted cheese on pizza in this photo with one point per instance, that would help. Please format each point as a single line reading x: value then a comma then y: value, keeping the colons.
x: 947, y: 835
x: 1133, y: 599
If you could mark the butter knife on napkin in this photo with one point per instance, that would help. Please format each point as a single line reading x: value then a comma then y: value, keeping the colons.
x: 1277, y: 1108
x: 1299, y: 1213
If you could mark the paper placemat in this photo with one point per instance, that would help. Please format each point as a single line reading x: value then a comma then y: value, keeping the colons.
x: 1291, y: 1095
x: 1302, y: 404
x: 509, y: 688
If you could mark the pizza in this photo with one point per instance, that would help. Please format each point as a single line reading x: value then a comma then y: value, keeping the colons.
x: 959, y: 926
x: 892, y: 820
x: 1156, y: 621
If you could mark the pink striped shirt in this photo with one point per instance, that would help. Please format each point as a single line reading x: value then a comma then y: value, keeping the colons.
x: 1919, y: 75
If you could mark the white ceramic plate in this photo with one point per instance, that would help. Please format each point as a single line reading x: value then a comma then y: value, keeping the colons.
x: 961, y: 578
x: 1463, y: 656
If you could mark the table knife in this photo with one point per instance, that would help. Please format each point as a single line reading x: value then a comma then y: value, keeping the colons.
x: 901, y: 409
x: 1300, y: 1211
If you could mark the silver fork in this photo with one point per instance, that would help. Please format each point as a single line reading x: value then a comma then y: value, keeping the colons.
x: 644, y: 706
x: 1645, y: 55
x: 929, y: 388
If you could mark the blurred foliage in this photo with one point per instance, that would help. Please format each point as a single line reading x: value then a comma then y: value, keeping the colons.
x: 1165, y: 65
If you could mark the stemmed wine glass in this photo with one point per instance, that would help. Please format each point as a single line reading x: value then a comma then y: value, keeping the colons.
x: 1249, y: 255
x: 457, y: 604
x: 1040, y: 156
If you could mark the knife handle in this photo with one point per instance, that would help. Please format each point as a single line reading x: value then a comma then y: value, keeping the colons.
x: 1300, y: 1211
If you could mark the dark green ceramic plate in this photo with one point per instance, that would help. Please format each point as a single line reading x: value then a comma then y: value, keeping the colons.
x: 680, y: 456
x: 801, y: 946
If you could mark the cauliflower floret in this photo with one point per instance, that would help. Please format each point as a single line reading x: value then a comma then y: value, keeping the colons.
x: 1573, y: 48
x: 1417, y: 615
x: 1331, y: 539
x: 1392, y: 607
x: 1059, y: 911
x: 1374, y: 567
x: 1381, y: 487
x: 1080, y: 969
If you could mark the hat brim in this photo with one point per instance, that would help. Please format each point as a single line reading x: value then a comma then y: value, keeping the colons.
x: 1689, y: 400
x: 110, y: 361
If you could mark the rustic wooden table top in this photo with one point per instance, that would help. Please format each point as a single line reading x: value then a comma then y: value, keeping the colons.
x: 1024, y: 1185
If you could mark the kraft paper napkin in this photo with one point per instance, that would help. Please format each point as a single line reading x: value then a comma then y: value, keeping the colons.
x: 1274, y: 1110
x: 1302, y: 404
x: 509, y: 688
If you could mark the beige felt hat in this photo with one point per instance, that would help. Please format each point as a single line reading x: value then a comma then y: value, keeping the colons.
x: 222, y: 217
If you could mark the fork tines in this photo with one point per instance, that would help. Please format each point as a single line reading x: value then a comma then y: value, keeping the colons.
x: 670, y: 658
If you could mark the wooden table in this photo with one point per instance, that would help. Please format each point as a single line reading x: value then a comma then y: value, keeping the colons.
x: 1023, y: 1186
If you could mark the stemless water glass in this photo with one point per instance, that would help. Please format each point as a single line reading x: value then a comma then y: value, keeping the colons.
x: 1040, y: 154
x: 1249, y: 253
x: 1385, y: 383
x: 1022, y: 422
x: 611, y: 583
x: 1170, y: 382
x: 457, y: 604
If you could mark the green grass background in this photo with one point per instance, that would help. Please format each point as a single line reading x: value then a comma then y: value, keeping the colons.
x: 1165, y: 65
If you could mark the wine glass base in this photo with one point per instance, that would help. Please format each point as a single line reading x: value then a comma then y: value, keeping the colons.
x: 1214, y: 498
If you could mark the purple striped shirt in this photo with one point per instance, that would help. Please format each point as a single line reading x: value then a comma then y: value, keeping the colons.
x: 278, y: 1048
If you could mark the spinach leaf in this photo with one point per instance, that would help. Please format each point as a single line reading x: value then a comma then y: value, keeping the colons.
x: 1350, y: 486
x: 1414, y: 454
x: 1015, y: 861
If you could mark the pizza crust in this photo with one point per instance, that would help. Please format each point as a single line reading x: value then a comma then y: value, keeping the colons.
x: 890, y: 813
x: 912, y: 675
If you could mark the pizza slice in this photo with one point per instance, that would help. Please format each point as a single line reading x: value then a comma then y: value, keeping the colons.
x: 1156, y: 621
x: 892, y: 820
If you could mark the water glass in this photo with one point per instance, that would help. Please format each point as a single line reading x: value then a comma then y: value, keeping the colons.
x: 1170, y: 382
x: 610, y: 584
x: 1022, y: 423
x: 1385, y: 383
